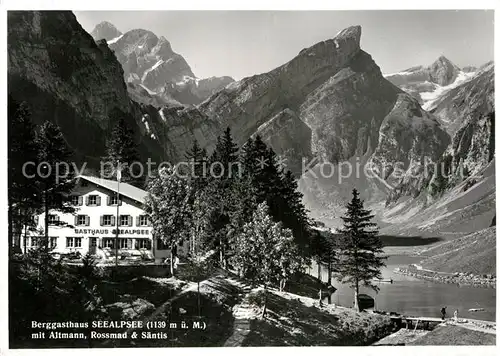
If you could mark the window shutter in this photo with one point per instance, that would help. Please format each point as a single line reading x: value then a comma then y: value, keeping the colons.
x: 98, y: 198
x: 58, y: 218
x: 99, y: 242
x: 129, y: 243
x: 108, y: 200
x: 87, y: 220
x: 80, y: 200
x: 138, y: 220
x: 130, y: 220
x: 76, y: 220
x: 148, y: 244
x: 87, y: 200
x: 113, y: 221
x: 119, y: 202
x: 102, y: 220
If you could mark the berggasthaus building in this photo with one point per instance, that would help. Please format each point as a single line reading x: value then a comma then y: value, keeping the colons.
x: 92, y: 227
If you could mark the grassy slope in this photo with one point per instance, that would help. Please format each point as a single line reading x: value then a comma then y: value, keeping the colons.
x: 217, y: 298
x: 455, y: 214
x: 473, y: 253
x: 455, y: 335
x: 290, y: 322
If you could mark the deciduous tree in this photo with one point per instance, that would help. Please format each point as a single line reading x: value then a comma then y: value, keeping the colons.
x: 168, y: 204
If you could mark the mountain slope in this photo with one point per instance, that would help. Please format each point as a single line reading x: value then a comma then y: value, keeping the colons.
x: 473, y: 97
x: 68, y: 78
x: 474, y: 253
x: 352, y: 112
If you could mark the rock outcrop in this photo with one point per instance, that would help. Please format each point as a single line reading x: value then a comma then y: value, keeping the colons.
x: 289, y: 137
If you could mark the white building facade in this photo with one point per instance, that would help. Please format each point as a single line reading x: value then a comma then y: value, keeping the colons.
x: 92, y: 227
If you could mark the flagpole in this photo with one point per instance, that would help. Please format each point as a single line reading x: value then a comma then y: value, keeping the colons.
x: 118, y: 178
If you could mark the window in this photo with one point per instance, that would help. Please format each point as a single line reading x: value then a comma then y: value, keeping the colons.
x: 53, y: 219
x: 73, y: 242
x: 34, y: 241
x: 75, y: 200
x: 82, y: 220
x: 93, y: 200
x: 125, y: 220
x: 143, y: 243
x: 108, y: 243
x: 124, y: 243
x: 143, y: 220
x: 113, y: 200
x: 53, y: 242
x: 107, y: 220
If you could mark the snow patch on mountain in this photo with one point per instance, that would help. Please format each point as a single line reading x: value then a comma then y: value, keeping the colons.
x: 430, y: 98
x: 148, y: 90
x: 157, y: 64
x: 162, y: 115
x: 114, y: 40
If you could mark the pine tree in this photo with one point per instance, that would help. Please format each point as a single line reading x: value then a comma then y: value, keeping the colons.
x: 24, y: 196
x: 360, y: 248
x: 168, y: 204
x: 224, y: 166
x: 225, y: 157
x: 57, y: 176
x: 197, y: 159
x: 121, y: 147
x: 277, y: 188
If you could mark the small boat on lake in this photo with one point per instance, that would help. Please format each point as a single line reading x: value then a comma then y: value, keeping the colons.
x: 476, y: 309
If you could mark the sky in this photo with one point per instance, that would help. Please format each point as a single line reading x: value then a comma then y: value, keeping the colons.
x: 244, y: 43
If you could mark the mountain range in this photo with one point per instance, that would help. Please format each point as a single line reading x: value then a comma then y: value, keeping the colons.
x: 329, y: 105
x: 150, y: 62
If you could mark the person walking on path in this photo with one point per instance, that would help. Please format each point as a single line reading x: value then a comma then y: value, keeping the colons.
x: 455, y: 316
x: 443, y: 312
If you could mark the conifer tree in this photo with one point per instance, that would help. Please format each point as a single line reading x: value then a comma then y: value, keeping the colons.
x: 24, y: 196
x: 197, y: 158
x: 57, y: 176
x: 360, y: 248
x: 277, y: 188
x: 219, y: 190
x: 121, y: 147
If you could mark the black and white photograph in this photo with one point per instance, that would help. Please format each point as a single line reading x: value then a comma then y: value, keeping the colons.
x: 249, y: 178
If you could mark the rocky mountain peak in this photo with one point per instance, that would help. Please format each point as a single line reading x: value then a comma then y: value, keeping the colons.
x: 443, y: 71
x: 105, y: 30
x: 350, y: 34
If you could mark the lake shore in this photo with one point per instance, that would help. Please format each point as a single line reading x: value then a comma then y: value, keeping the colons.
x: 459, y: 278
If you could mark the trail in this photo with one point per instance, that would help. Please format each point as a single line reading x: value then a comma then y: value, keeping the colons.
x: 243, y: 314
